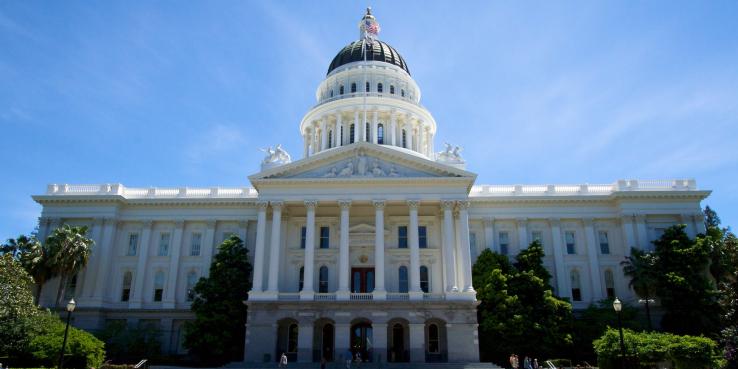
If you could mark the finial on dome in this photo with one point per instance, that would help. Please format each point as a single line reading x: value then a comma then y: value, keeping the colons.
x: 368, y: 10
x: 368, y: 27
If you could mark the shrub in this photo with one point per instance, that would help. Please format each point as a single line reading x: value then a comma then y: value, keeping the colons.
x: 651, y: 348
x: 82, y: 350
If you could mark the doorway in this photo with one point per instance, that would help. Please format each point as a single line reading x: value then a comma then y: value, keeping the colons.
x: 362, y: 341
x: 362, y: 280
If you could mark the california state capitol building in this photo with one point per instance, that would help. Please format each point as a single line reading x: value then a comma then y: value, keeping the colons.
x: 367, y: 241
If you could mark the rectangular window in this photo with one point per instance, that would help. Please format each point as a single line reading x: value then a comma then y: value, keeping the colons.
x: 423, y: 237
x: 537, y: 236
x: 570, y: 244
x: 132, y: 244
x: 125, y: 294
x: 195, y: 244
x: 158, y: 294
x: 604, y: 243
x: 303, y: 234
x: 504, y: 239
x: 325, y: 237
x: 164, y: 244
x: 402, y: 237
x: 576, y: 294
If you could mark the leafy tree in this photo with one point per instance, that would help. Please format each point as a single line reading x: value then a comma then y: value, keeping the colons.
x: 124, y: 342
x: 16, y: 306
x: 83, y: 350
x: 518, y: 311
x: 34, y: 257
x: 688, y: 297
x: 69, y: 250
x: 640, y: 266
x: 217, y: 333
x: 592, y: 322
x: 729, y: 303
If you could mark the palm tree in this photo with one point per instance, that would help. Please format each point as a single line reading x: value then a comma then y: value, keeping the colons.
x: 69, y: 250
x: 640, y: 266
x: 33, y: 256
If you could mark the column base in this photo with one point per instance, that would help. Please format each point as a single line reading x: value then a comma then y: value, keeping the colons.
x: 379, y: 295
x: 461, y: 296
x: 168, y: 305
x: 263, y: 295
x: 307, y: 295
x: 343, y: 295
x: 415, y: 295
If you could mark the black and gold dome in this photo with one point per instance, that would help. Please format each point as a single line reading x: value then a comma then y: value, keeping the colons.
x: 377, y: 51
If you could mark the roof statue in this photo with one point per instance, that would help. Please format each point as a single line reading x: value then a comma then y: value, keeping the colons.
x: 275, y: 157
x: 451, y: 155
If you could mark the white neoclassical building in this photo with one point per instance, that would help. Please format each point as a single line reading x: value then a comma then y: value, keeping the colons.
x: 367, y: 242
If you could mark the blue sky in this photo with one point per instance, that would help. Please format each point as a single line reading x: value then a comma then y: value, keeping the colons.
x: 173, y: 93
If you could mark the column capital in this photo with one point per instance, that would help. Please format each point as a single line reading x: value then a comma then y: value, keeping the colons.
x: 522, y: 221
x: 311, y: 204
x: 148, y: 223
x: 698, y: 217
x: 588, y: 222
x: 262, y: 205
x: 448, y: 204
x: 98, y: 221
x: 379, y: 204
x: 627, y: 218
x: 555, y: 222
x: 463, y: 204
x: 179, y: 223
x: 276, y: 205
x: 413, y: 204
x: 640, y: 217
x: 489, y: 221
x: 344, y: 204
x: 210, y: 223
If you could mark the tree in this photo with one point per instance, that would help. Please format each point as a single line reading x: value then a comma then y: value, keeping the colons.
x: 640, y: 266
x: 34, y: 257
x: 217, y: 333
x: 729, y: 303
x: 69, y: 250
x: 688, y: 297
x: 16, y: 306
x: 518, y: 311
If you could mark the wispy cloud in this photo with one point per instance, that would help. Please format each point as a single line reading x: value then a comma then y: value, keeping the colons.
x: 217, y: 140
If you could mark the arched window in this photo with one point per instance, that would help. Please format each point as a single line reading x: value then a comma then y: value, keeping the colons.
x: 340, y: 90
x: 330, y: 139
x: 125, y: 294
x: 379, y: 88
x: 609, y: 284
x: 340, y: 138
x: 331, y: 93
x: 368, y: 132
x: 433, y: 341
x: 323, y: 280
x: 302, y: 278
x: 158, y: 285
x: 424, y: 280
x: 380, y: 134
x: 403, y: 279
x: 392, y: 89
x: 191, y: 281
x: 292, y: 338
x: 404, y: 138
x: 367, y: 87
x: 402, y: 92
x: 576, y: 286
x: 353, y: 87
x: 351, y: 133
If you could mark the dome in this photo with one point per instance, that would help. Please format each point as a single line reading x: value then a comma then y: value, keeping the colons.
x: 380, y: 51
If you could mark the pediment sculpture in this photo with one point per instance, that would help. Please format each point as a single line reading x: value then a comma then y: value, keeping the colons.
x: 275, y: 157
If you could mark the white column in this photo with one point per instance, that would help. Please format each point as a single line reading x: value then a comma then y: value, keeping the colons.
x: 43, y: 228
x: 91, y: 272
x: 449, y: 238
x: 686, y: 219
x: 464, y: 252
x: 258, y: 280
x: 363, y: 127
x: 629, y: 239
x: 343, y: 252
x: 699, y: 222
x: 489, y: 233
x: 375, y: 120
x: 308, y: 291
x: 409, y: 129
x: 642, y: 231
x: 393, y: 128
x: 357, y: 127
x: 106, y: 248
x: 523, y: 233
x: 305, y: 342
x: 208, y: 246
x: 594, y: 263
x: 420, y: 137
x: 415, y: 292
x: 340, y: 134
x: 273, y: 283
x: 379, y: 291
x: 323, y: 134
x: 561, y: 275
x: 173, y: 275
x: 306, y: 145
x: 143, y: 256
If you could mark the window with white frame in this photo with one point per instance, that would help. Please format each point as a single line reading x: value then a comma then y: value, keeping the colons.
x: 402, y: 237
x: 325, y: 237
x: 323, y: 280
x: 163, y: 244
x: 195, y: 243
x: 604, y: 242
x: 576, y: 286
x: 125, y: 293
x: 303, y: 235
x: 423, y: 237
x: 132, y: 244
x: 301, y: 280
x: 158, y: 285
x: 403, y: 281
x: 504, y: 241
x: 191, y: 282
x: 569, y: 237
x: 609, y: 284
x: 424, y: 279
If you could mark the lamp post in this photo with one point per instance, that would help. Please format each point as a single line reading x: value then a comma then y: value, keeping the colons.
x: 70, y: 308
x: 618, y: 306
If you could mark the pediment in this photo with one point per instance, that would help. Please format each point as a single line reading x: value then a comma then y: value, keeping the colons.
x: 362, y: 161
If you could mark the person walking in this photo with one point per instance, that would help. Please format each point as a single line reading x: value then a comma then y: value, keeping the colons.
x: 535, y: 364
x: 283, y: 361
x: 349, y: 358
x: 527, y: 363
x: 512, y: 361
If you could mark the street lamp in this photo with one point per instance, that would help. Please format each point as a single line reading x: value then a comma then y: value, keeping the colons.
x: 618, y: 306
x: 70, y: 308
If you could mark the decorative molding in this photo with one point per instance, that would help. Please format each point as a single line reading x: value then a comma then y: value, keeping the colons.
x: 210, y: 223
x: 344, y: 204
x: 148, y: 223
x: 588, y: 222
x: 311, y: 204
x: 463, y: 204
x: 179, y: 223
x: 554, y: 222
x: 522, y: 222
x: 262, y: 205
x: 448, y: 204
x: 379, y: 204
x: 276, y: 205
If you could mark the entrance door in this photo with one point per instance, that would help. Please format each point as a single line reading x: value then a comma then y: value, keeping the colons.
x: 397, y: 353
x: 362, y: 280
x: 327, y: 344
x: 362, y: 341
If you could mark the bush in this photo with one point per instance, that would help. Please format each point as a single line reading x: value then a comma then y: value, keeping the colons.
x: 82, y: 350
x: 651, y: 348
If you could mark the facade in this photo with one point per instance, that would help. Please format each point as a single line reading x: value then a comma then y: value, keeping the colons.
x: 367, y: 242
